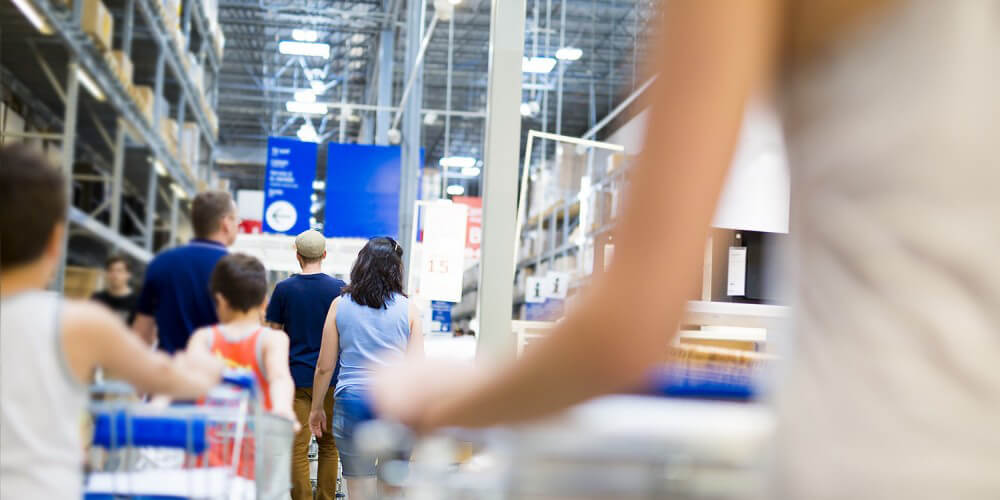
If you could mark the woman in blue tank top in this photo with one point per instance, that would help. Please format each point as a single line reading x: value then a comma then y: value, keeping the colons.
x: 372, y: 324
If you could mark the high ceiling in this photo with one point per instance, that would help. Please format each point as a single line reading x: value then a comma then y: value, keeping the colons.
x: 256, y: 81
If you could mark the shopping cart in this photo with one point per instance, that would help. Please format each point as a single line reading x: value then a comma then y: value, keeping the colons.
x: 225, y: 447
x: 704, y: 445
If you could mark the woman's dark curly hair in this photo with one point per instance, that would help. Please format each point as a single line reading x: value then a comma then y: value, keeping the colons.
x: 377, y: 273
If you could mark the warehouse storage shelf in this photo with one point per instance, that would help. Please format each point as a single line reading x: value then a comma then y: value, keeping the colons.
x: 175, y: 60
x: 202, y: 24
x: 87, y: 55
x: 85, y: 221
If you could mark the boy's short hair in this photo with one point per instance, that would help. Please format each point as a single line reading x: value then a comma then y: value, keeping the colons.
x: 32, y: 203
x: 207, y: 211
x: 114, y: 259
x: 241, y: 279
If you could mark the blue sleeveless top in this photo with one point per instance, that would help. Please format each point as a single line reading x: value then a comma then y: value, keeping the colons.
x: 369, y: 337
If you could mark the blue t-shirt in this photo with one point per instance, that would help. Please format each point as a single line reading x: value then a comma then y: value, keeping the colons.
x: 300, y: 304
x: 176, y: 291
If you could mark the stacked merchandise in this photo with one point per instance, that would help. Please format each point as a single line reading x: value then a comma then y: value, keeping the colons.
x: 97, y: 23
x: 707, y: 371
x: 121, y: 67
x: 81, y: 282
x: 189, y: 147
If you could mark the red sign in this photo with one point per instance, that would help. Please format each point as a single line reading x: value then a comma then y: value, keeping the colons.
x: 251, y: 226
x: 474, y: 231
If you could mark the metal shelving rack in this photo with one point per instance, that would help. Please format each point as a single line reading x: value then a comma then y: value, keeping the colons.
x: 133, y: 129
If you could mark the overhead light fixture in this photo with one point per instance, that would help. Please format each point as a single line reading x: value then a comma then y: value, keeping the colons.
x: 353, y: 118
x: 89, y: 84
x: 527, y: 109
x: 307, y: 133
x: 317, y: 86
x: 455, y: 2
x: 311, y: 108
x: 356, y: 64
x: 356, y: 52
x: 178, y: 191
x: 569, y: 54
x: 430, y: 118
x: 160, y: 169
x: 455, y: 190
x: 457, y: 161
x: 314, y: 198
x: 291, y: 48
x: 305, y: 35
x: 471, y: 171
x: 34, y: 16
x: 537, y: 64
x: 305, y: 96
x: 358, y: 39
x: 319, y: 185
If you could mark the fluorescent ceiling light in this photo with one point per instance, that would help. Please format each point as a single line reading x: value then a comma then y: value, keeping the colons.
x: 458, y: 161
x: 526, y: 109
x: 455, y: 2
x: 319, y: 185
x: 471, y: 171
x: 455, y: 190
x: 358, y: 39
x: 356, y: 52
x: 353, y: 118
x: 318, y: 86
x: 291, y: 48
x: 160, y: 169
x: 537, y: 64
x: 314, y: 198
x: 356, y: 64
x: 313, y: 108
x: 305, y: 35
x: 430, y: 118
x: 178, y: 191
x: 307, y: 133
x: 305, y: 96
x: 89, y: 84
x: 34, y: 17
x: 569, y: 54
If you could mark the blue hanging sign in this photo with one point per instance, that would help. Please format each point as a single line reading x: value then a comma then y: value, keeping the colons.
x: 441, y: 316
x: 291, y: 169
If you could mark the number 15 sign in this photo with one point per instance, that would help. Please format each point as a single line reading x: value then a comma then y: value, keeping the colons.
x: 442, y: 259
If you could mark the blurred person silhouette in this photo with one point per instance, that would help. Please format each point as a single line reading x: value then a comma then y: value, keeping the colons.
x: 50, y: 346
x: 175, y: 299
x: 118, y: 294
x: 298, y: 306
x: 372, y: 324
x: 890, y: 108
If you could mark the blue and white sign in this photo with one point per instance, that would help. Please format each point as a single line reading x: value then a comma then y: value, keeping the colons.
x: 440, y: 316
x: 362, y: 191
x: 291, y: 169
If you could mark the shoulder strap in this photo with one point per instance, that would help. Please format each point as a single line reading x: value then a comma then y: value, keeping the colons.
x: 259, y: 351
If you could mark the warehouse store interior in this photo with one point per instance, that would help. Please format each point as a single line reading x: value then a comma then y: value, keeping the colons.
x: 484, y: 249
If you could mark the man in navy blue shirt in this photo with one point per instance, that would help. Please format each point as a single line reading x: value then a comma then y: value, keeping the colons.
x: 175, y: 300
x: 298, y: 306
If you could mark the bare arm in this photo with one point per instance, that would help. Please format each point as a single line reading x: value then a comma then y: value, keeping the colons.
x: 145, y: 326
x: 278, y: 375
x: 713, y: 55
x: 94, y: 337
x: 415, y: 348
x: 328, y: 351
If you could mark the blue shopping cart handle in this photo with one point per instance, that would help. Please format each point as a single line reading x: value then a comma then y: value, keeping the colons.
x: 242, y: 379
x: 702, y: 385
x: 118, y: 428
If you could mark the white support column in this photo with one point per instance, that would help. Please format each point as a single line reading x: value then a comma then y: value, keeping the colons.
x: 410, y: 166
x: 386, y: 51
x: 503, y: 136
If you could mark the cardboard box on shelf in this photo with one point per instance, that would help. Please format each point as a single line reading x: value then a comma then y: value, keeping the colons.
x: 81, y: 282
x: 189, y: 143
x: 570, y: 167
x: 143, y: 97
x: 123, y: 67
x: 97, y: 22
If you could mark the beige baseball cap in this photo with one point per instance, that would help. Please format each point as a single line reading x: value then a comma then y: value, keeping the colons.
x: 310, y: 244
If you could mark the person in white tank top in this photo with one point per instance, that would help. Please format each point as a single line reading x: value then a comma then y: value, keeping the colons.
x: 890, y: 108
x: 50, y: 346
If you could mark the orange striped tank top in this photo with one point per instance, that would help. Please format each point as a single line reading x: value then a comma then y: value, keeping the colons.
x: 244, y: 354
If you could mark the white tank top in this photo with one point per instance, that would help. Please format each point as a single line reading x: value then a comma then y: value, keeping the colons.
x: 894, y: 142
x: 40, y: 403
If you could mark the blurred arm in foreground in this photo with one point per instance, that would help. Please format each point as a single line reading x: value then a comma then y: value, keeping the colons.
x: 712, y: 56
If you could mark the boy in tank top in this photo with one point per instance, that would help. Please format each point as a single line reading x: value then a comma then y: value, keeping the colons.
x: 242, y: 342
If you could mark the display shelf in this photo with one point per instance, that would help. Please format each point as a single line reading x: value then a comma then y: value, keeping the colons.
x: 176, y: 56
x: 90, y: 58
x: 81, y: 219
x: 202, y: 24
x: 735, y: 314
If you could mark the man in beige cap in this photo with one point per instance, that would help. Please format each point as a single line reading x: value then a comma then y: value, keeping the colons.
x: 298, y: 306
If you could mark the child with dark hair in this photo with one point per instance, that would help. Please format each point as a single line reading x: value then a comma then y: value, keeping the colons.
x: 50, y: 346
x: 239, y: 288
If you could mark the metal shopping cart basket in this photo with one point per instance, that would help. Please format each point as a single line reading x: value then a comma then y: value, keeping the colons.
x: 707, y: 444
x: 225, y: 447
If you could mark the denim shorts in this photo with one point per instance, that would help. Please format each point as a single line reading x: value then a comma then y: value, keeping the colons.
x: 346, y: 419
